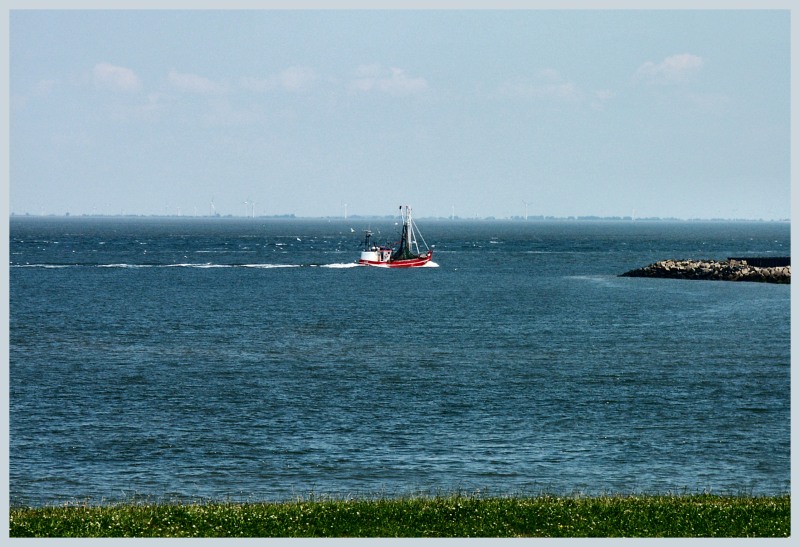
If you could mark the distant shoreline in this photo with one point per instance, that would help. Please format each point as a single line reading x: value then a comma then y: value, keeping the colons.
x: 530, y: 219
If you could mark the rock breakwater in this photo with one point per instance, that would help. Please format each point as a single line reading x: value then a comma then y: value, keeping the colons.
x: 728, y: 270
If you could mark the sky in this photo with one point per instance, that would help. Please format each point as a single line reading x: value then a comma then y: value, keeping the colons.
x: 488, y: 113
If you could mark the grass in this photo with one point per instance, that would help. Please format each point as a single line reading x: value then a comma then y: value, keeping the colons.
x: 442, y: 516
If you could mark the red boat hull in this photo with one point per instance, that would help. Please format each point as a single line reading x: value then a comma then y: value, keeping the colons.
x: 409, y: 263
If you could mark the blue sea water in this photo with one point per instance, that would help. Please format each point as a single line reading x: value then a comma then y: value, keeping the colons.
x: 248, y: 360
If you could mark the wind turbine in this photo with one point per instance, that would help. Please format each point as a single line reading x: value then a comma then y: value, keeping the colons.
x: 345, y: 211
x: 213, y: 208
x: 526, y: 208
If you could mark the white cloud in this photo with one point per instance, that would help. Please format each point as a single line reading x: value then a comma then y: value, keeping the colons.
x: 564, y: 91
x: 45, y: 87
x: 601, y: 97
x: 297, y: 78
x: 294, y: 79
x: 547, y: 85
x: 674, y: 69
x: 193, y: 83
x: 257, y: 84
x: 144, y: 108
x: 153, y: 106
x: 115, y: 78
x: 393, y: 81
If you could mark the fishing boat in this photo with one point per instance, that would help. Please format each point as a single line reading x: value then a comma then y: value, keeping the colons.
x: 407, y: 254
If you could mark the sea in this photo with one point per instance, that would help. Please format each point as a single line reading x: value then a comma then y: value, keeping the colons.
x: 251, y: 359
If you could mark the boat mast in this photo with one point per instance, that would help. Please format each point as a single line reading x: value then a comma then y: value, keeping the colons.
x: 409, y: 232
x: 409, y: 248
x: 410, y: 236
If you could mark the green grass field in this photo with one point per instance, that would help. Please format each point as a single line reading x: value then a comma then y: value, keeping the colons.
x: 445, y: 516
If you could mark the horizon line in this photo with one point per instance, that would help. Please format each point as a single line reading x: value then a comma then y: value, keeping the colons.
x: 489, y: 218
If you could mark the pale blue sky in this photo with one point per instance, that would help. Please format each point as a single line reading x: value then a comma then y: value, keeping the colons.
x: 665, y: 113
